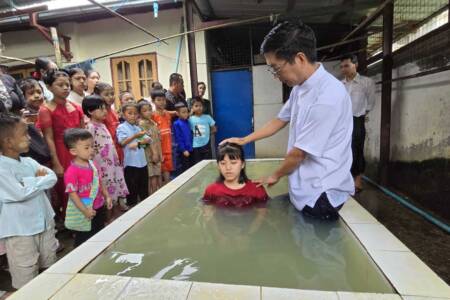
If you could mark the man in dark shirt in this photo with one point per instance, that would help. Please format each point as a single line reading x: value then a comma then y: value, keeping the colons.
x: 174, y: 93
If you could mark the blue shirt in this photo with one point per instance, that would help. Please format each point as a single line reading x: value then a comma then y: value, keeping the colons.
x: 132, y: 157
x: 24, y: 207
x: 183, y: 135
x: 201, y: 129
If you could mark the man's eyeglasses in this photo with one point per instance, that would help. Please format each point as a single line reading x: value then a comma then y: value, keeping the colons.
x: 275, y: 71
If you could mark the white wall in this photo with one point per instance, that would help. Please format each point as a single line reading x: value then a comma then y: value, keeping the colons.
x: 95, y: 38
x: 267, y: 102
x: 420, y: 123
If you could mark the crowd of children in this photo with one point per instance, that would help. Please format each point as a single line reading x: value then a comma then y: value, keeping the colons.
x: 74, y: 152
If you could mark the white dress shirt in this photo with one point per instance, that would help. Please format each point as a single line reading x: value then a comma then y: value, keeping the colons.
x: 362, y: 93
x: 321, y: 124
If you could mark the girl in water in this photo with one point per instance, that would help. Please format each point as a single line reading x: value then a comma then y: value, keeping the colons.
x: 233, y: 188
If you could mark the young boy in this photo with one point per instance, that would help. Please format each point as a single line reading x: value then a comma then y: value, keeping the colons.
x: 202, y: 126
x: 133, y: 140
x: 183, y: 138
x: 164, y: 120
x: 83, y: 181
x: 26, y: 216
x: 153, y: 152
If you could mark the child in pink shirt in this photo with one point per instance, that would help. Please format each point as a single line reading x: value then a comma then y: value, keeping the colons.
x: 83, y: 183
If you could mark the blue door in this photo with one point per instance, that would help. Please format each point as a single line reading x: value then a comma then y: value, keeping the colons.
x: 233, y: 105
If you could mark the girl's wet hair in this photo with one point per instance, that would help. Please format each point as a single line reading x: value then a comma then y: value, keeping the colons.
x: 52, y: 75
x: 234, y: 152
x: 91, y: 103
x: 101, y: 86
x: 27, y: 84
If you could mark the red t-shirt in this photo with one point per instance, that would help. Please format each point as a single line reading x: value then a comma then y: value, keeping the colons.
x: 219, y: 194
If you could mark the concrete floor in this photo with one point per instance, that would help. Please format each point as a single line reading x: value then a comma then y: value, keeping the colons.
x: 428, y: 242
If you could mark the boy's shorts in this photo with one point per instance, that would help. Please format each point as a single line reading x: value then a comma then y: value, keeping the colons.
x: 167, y: 164
x: 27, y: 254
x: 154, y: 169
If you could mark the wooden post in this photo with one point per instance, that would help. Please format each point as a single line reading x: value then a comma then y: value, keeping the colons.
x: 386, y: 90
x: 191, y: 46
x: 55, y: 42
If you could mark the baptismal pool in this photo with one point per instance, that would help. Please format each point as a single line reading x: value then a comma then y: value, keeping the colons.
x: 172, y: 246
x: 275, y: 246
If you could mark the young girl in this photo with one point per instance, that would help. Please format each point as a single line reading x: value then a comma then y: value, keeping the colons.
x: 233, y: 188
x: 92, y: 78
x: 163, y: 118
x: 53, y: 119
x: 105, y: 153
x: 83, y: 181
x: 77, y: 85
x: 34, y: 98
x: 153, y: 152
x: 111, y: 121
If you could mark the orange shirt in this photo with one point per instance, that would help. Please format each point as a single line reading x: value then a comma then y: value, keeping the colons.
x: 164, y: 121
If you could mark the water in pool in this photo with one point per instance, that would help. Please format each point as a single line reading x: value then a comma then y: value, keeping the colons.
x: 276, y: 246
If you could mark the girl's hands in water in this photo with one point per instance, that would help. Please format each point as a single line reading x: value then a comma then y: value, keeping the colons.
x: 269, y: 181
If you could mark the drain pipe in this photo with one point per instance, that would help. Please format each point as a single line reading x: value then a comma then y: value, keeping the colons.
x: 409, y: 205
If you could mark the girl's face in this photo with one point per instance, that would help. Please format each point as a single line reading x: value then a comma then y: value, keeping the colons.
x: 146, y: 112
x: 127, y: 97
x: 131, y: 115
x: 201, y: 90
x: 160, y: 102
x: 78, y: 81
x: 34, y: 97
x: 60, y: 87
x: 92, y: 80
x: 108, y: 96
x: 99, y: 114
x: 231, y: 169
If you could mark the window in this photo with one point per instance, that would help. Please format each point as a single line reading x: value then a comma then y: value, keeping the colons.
x: 134, y: 74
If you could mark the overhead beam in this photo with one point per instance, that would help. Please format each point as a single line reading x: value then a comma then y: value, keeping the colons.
x: 18, y: 12
x: 112, y: 12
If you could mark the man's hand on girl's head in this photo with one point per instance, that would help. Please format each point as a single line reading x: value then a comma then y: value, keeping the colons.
x: 234, y: 140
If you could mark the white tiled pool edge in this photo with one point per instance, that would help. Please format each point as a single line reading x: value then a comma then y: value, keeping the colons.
x: 407, y: 273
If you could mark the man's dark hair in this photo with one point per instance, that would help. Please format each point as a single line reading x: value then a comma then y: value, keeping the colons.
x: 91, y: 103
x: 157, y: 93
x: 201, y: 83
x: 288, y: 38
x: 8, y: 123
x: 175, y: 78
x: 73, y: 135
x: 353, y: 58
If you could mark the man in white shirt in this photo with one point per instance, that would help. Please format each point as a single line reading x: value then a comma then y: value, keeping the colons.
x: 362, y: 93
x: 319, y: 114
